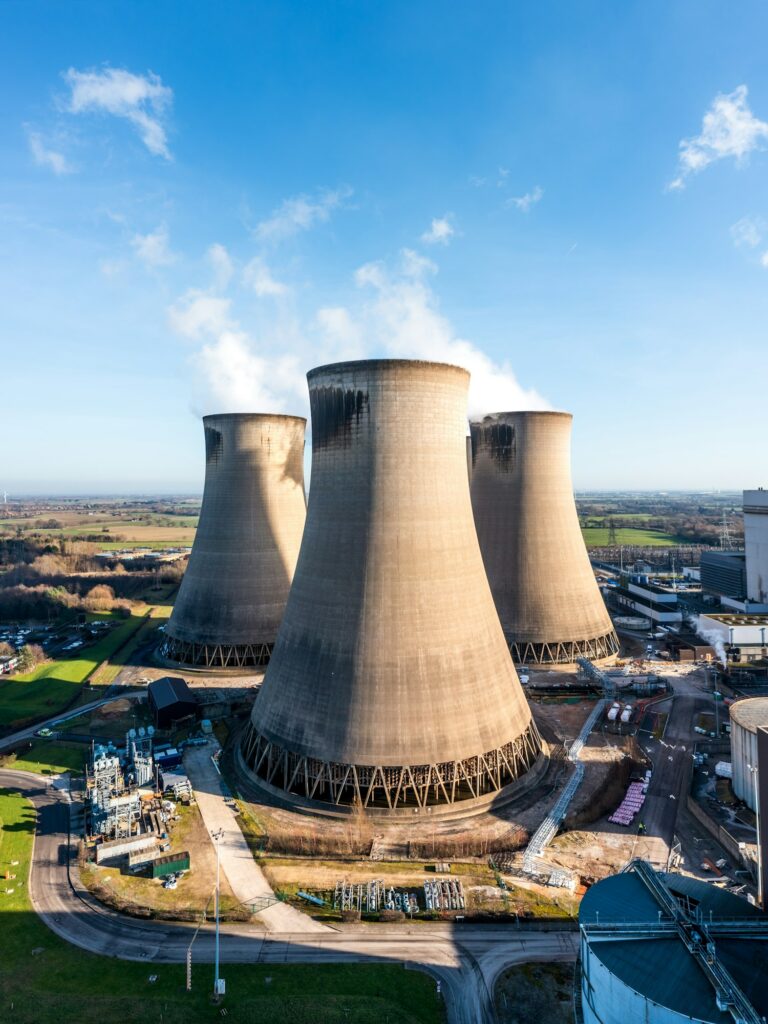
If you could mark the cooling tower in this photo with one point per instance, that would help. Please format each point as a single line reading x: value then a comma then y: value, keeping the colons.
x: 390, y: 684
x: 233, y: 594
x: 548, y: 601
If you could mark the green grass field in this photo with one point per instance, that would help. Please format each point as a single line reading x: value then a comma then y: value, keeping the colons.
x: 43, y: 980
x: 49, y: 688
x: 48, y: 757
x: 597, y: 537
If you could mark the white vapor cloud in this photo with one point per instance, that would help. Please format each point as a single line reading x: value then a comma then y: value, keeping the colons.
x: 729, y: 129
x: 142, y: 100
x: 221, y: 264
x: 154, y: 249
x: 525, y: 202
x: 405, y: 322
x: 258, y: 276
x: 197, y: 315
x: 299, y: 213
x: 44, y: 156
x: 342, y: 335
x: 748, y: 231
x: 440, y: 231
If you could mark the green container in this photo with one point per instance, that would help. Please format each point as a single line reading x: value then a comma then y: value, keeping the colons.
x: 170, y: 864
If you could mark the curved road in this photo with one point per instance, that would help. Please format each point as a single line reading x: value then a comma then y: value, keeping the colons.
x: 466, y: 959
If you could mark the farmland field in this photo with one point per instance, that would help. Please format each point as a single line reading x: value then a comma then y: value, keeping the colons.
x: 597, y: 537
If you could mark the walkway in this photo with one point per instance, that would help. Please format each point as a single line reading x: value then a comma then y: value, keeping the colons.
x: 245, y: 876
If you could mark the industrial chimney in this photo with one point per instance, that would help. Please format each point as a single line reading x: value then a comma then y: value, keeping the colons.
x: 233, y: 594
x: 390, y: 685
x: 545, y: 591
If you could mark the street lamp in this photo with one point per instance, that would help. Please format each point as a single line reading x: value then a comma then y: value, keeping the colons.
x: 753, y: 769
x: 218, y: 983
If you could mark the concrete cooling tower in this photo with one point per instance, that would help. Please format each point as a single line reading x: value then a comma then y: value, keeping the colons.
x: 545, y: 591
x: 233, y: 594
x: 390, y: 685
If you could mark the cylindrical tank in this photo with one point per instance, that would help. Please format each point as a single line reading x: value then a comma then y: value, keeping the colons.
x: 233, y: 594
x: 747, y: 716
x: 390, y: 684
x: 545, y: 591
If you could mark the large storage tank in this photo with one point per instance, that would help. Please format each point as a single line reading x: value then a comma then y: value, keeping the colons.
x: 233, y: 594
x: 390, y: 685
x: 747, y: 716
x: 545, y: 591
x: 637, y: 967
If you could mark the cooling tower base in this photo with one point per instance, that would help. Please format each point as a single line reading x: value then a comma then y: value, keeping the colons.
x: 564, y: 652
x: 215, y: 656
x: 449, y: 786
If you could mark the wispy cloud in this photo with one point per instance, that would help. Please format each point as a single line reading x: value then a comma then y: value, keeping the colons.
x: 142, y: 100
x: 258, y: 276
x: 299, y: 213
x: 154, y: 249
x: 729, y: 129
x: 747, y: 232
x: 440, y: 231
x: 197, y: 314
x: 221, y: 264
x: 44, y: 156
x: 525, y: 202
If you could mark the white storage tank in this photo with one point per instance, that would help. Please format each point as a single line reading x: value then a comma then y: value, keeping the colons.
x: 747, y: 716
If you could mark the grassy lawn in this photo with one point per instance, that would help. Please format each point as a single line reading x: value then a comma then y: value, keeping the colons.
x: 47, y: 757
x: 51, y: 686
x: 597, y: 537
x: 43, y: 980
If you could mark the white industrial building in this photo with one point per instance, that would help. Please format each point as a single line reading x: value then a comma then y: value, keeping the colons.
x: 660, y: 604
x: 756, y: 545
x: 745, y: 637
x: 747, y: 716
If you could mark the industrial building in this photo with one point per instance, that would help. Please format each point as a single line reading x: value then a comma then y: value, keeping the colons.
x: 657, y: 603
x: 724, y: 574
x: 747, y: 716
x: 744, y: 637
x: 233, y: 593
x: 669, y: 949
x: 542, y: 582
x: 756, y: 545
x: 390, y: 685
x: 170, y: 700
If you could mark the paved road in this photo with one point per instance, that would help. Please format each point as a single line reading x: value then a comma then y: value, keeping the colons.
x: 9, y: 742
x: 466, y: 958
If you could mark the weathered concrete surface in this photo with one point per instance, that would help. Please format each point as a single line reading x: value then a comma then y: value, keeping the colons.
x: 528, y: 528
x: 236, y: 585
x: 390, y: 651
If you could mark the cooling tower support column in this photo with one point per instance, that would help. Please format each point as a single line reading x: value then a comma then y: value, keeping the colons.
x: 545, y: 591
x: 233, y: 594
x: 390, y: 685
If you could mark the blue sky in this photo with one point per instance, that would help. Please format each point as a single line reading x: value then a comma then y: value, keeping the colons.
x: 199, y: 202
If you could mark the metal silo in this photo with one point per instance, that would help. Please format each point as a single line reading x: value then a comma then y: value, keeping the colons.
x: 234, y: 591
x: 390, y: 685
x: 545, y: 591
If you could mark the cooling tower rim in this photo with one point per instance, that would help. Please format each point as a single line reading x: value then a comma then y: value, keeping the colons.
x: 352, y: 365
x: 479, y: 421
x: 253, y: 416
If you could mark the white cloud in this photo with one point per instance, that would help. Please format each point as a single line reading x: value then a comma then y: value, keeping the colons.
x: 300, y: 213
x: 221, y: 264
x: 525, y: 202
x: 154, y: 249
x: 239, y: 379
x: 197, y: 314
x: 729, y: 128
x: 111, y: 268
x: 764, y: 259
x: 142, y: 100
x: 258, y: 276
x: 747, y: 231
x: 405, y: 322
x: 44, y: 156
x: 342, y: 334
x: 440, y: 231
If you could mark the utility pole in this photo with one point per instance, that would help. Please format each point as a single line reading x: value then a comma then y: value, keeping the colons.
x: 218, y: 983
